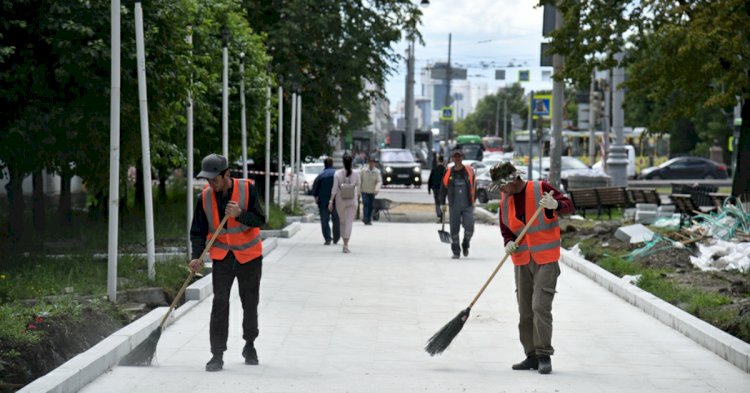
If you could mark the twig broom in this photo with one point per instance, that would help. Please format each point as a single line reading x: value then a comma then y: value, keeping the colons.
x: 440, y: 341
x: 144, y: 352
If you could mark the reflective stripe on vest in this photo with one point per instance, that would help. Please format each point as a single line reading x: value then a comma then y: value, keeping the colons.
x: 542, y: 240
x: 244, y: 242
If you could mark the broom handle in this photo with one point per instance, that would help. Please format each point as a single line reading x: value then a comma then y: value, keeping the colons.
x: 502, y: 261
x: 192, y: 273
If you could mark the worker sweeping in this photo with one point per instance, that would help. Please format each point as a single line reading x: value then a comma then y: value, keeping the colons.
x: 458, y: 186
x: 534, y: 258
x: 237, y: 252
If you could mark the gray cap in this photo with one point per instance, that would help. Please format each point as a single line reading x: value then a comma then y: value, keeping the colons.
x: 212, y: 165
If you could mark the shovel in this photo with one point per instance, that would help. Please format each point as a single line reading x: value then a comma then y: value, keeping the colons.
x: 445, y: 237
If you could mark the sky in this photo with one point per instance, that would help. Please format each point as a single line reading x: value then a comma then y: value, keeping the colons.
x: 497, y: 32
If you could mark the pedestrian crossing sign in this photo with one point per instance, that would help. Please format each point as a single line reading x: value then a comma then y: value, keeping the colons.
x: 523, y: 76
x: 542, y: 106
x: 446, y: 113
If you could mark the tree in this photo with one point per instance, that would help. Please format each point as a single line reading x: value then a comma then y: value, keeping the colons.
x: 327, y: 49
x: 681, y: 55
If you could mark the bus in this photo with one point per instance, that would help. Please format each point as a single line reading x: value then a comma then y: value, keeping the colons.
x: 492, y: 143
x: 471, y: 146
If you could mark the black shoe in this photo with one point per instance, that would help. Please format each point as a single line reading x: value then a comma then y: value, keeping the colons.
x: 466, y: 250
x: 335, y: 242
x: 545, y: 365
x: 250, y: 355
x: 455, y: 256
x: 530, y: 363
x: 327, y: 243
x: 215, y: 364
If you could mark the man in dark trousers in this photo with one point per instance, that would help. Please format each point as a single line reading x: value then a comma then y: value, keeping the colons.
x: 434, y: 181
x: 458, y: 186
x: 236, y: 252
x: 534, y: 257
x: 322, y: 192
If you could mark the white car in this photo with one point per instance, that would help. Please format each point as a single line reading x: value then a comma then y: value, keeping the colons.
x: 309, y: 173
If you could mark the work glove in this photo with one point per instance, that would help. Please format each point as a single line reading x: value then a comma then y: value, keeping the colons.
x: 548, y: 202
x: 511, y: 247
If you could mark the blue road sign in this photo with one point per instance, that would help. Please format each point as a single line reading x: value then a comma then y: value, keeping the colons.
x: 542, y: 105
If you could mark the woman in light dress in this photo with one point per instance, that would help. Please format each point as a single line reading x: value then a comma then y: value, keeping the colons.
x: 345, y: 207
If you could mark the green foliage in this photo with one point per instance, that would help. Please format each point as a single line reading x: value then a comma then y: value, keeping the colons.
x: 292, y: 210
x: 690, y: 299
x: 618, y: 266
x: 492, y: 207
x: 18, y: 322
x: 482, y: 120
x: 276, y: 218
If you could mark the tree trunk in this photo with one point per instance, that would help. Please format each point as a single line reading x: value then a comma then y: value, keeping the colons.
x: 64, y: 211
x: 38, y: 202
x: 139, y: 199
x: 16, y: 205
x: 163, y: 186
x: 741, y: 182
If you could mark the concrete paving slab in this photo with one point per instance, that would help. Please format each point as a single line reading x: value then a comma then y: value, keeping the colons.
x: 334, y: 322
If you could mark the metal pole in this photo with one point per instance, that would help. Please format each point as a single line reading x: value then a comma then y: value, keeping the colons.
x: 497, y: 114
x: 531, y: 131
x: 409, y: 105
x: 281, y: 142
x: 299, y: 143
x: 617, y: 164
x: 114, y: 150
x: 558, y: 91
x: 292, y: 149
x: 505, y: 121
x: 243, y: 120
x: 607, y: 100
x: 225, y: 104
x: 592, y: 120
x: 145, y: 145
x: 189, y: 175
x: 448, y: 88
x: 267, y: 197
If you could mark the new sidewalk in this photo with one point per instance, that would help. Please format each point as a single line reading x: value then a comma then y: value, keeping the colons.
x: 334, y: 322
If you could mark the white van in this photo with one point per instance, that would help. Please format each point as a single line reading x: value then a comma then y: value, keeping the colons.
x: 631, y: 162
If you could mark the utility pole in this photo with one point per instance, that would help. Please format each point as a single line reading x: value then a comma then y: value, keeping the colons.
x: 617, y: 163
x: 280, y: 132
x: 225, y: 96
x: 497, y: 113
x: 531, y: 131
x: 505, y: 120
x: 607, y: 89
x: 593, y: 110
x: 409, y: 105
x: 558, y: 91
x: 448, y: 72
x: 189, y: 174
x: 243, y: 121
x: 114, y: 150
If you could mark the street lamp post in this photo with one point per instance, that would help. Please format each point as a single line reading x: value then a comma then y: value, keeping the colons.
x: 225, y: 95
x: 243, y: 122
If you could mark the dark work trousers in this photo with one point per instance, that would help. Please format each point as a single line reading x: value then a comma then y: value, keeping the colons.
x: 535, y: 290
x: 326, y: 220
x: 367, y: 201
x: 436, y: 195
x: 248, y: 279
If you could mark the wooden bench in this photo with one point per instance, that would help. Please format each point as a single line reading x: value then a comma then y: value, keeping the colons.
x: 610, y: 197
x: 644, y: 195
x: 699, y: 192
x: 718, y: 198
x: 584, y: 198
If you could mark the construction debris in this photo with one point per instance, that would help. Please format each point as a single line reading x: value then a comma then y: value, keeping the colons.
x: 636, y: 233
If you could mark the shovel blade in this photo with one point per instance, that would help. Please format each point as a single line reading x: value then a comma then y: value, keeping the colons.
x: 445, y: 237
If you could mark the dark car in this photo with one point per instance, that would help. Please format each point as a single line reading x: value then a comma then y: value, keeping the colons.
x: 398, y: 166
x: 686, y: 168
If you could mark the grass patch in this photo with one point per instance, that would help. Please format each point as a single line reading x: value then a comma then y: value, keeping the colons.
x: 276, y: 218
x: 492, y: 206
x: 620, y: 267
x: 293, y: 210
x: 691, y: 300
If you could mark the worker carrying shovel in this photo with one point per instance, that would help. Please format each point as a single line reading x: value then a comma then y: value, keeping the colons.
x: 458, y: 186
x: 534, y: 259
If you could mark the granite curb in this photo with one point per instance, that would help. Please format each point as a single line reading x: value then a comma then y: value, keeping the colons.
x: 728, y: 347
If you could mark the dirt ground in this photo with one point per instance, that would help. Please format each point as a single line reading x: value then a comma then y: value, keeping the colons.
x: 677, y: 268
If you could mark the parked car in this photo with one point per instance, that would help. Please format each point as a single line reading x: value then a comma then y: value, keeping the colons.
x: 309, y: 173
x: 569, y: 166
x: 483, y: 192
x: 398, y: 166
x: 686, y: 168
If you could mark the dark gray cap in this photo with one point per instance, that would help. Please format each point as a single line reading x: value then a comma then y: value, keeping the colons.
x: 212, y: 165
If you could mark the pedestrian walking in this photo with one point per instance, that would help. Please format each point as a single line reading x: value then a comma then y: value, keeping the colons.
x: 236, y: 253
x: 370, y: 181
x: 322, y: 192
x: 458, y: 186
x: 344, y: 198
x: 534, y: 259
x: 433, y: 184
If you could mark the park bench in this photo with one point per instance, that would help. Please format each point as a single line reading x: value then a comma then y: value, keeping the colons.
x: 610, y: 197
x: 718, y: 199
x: 584, y: 198
x: 644, y: 195
x: 699, y: 193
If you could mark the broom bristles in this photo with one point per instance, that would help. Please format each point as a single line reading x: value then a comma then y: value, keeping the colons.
x: 144, y: 352
x: 440, y: 341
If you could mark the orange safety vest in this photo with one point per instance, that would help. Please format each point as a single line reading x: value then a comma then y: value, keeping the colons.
x: 244, y: 241
x: 542, y: 240
x: 470, y: 174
